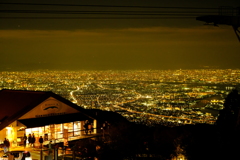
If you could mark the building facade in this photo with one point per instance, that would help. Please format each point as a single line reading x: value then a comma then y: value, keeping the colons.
x: 42, y: 114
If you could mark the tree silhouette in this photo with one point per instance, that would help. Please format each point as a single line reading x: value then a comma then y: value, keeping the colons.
x: 127, y: 140
x: 228, y: 118
x: 228, y: 127
x: 200, y: 142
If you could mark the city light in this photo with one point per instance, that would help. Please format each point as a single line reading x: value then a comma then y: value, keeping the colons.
x: 141, y: 96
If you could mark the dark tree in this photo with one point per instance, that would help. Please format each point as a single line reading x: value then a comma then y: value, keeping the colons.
x: 228, y: 118
x: 200, y: 142
x: 163, y: 141
x: 228, y: 127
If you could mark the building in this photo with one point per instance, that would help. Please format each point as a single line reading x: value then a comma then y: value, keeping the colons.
x: 42, y: 114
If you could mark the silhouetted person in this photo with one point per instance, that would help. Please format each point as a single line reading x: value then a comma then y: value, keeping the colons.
x: 41, y: 141
x: 90, y: 128
x: 86, y: 126
x: 24, y: 141
x: 6, y: 145
x: 29, y: 140
x: 33, y: 140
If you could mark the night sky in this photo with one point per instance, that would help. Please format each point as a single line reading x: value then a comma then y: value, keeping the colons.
x: 73, y: 41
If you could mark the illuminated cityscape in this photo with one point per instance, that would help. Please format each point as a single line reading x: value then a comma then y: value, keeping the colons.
x: 168, y: 97
x: 120, y: 80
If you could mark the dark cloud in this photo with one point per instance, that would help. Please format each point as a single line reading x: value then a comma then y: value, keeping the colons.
x: 97, y: 44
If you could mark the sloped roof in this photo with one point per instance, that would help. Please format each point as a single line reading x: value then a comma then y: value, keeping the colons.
x: 37, y: 122
x: 102, y: 116
x: 12, y: 102
x: 15, y: 103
